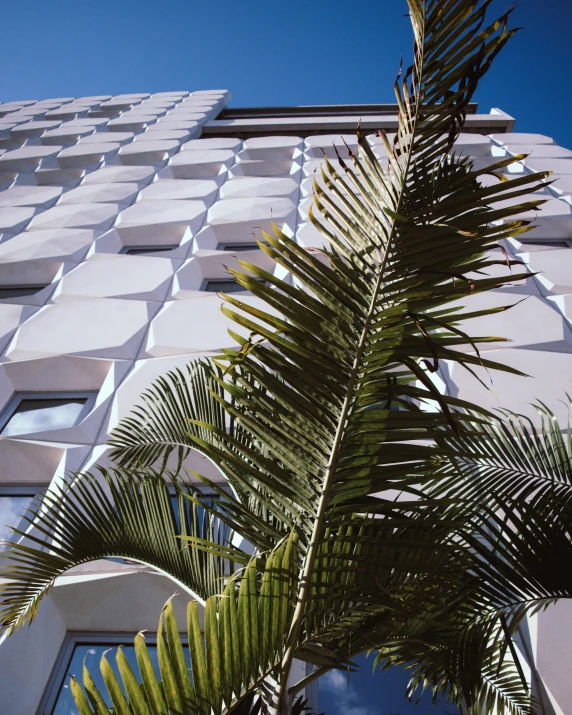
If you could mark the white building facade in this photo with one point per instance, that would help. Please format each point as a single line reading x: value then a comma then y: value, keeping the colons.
x: 118, y: 216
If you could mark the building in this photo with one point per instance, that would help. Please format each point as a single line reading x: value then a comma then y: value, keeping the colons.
x: 117, y: 215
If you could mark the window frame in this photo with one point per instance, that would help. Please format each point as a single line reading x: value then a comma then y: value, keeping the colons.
x: 12, y: 405
x: 206, y: 281
x: 62, y: 662
x: 23, y: 490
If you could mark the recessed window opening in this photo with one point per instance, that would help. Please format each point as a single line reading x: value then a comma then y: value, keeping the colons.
x: 239, y: 246
x: 552, y: 244
x: 36, y: 412
x: 19, y: 291
x: 14, y: 501
x: 58, y: 699
x: 142, y: 250
x: 222, y: 285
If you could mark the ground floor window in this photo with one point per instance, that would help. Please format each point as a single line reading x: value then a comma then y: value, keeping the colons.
x: 88, y: 648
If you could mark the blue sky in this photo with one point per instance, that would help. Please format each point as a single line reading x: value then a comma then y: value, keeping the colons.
x: 293, y: 52
x: 269, y: 53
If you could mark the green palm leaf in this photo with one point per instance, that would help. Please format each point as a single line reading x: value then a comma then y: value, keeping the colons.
x: 224, y: 663
x: 107, y: 515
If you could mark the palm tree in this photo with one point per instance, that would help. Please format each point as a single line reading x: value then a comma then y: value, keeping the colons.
x: 325, y: 411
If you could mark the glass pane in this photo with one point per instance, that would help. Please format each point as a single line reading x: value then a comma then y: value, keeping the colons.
x: 11, y: 510
x: 237, y: 247
x: 221, y: 531
x: 368, y: 693
x: 135, y: 251
x: 92, y: 654
x: 35, y: 415
x: 223, y: 286
x: 19, y: 291
x: 555, y: 244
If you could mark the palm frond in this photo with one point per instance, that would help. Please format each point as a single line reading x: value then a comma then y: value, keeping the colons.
x: 509, y: 457
x: 240, y: 643
x: 327, y: 406
x: 116, y: 515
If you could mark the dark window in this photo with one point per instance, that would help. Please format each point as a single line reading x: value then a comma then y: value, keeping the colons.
x: 141, y: 250
x: 222, y: 285
x: 19, y: 291
x: 28, y: 413
x: 238, y: 246
x: 552, y: 244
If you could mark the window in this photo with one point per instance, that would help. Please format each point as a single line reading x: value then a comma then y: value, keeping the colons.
x: 142, y: 250
x: 14, y: 501
x: 19, y: 291
x: 36, y: 412
x: 58, y: 699
x: 238, y: 246
x: 222, y: 285
x: 552, y: 244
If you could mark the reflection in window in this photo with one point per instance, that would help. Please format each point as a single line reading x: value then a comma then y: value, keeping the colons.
x: 92, y: 653
x: 12, y: 507
x: 221, y: 531
x: 35, y: 413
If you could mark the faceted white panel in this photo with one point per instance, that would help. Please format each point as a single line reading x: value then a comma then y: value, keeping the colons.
x: 14, y: 220
x: 205, y: 327
x: 538, y: 151
x: 550, y: 331
x: 33, y: 129
x: 554, y: 269
x: 212, y: 144
x: 30, y: 463
x: 106, y: 138
x: 86, y: 154
x: 105, y: 327
x: 521, y: 138
x: 200, y: 164
x: 149, y: 152
x: 123, y: 276
x: 85, y: 215
x: 47, y: 244
x: 159, y: 133
x: 123, y: 193
x: 204, y: 189
x: 558, y: 166
x: 41, y: 196
x: 118, y: 240
x: 232, y: 219
x: 111, y: 174
x: 26, y: 158
x: 252, y: 186
x: 205, y: 265
x: 262, y: 167
x: 548, y: 380
x: 63, y: 374
x: 165, y: 217
x: 11, y: 317
x: 327, y: 144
